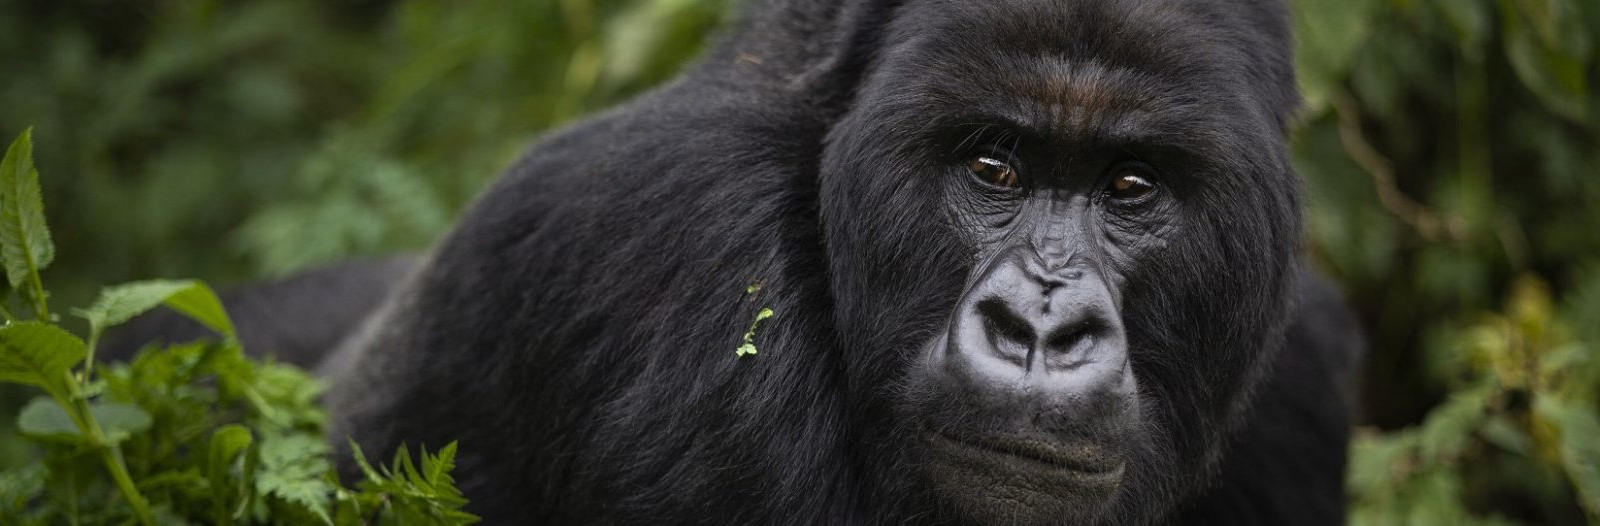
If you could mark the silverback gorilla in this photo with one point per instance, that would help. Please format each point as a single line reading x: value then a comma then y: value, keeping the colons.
x: 1032, y: 262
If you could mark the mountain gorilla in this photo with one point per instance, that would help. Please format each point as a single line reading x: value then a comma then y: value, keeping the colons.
x: 1032, y: 262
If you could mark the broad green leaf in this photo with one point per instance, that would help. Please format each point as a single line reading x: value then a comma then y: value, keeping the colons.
x: 119, y: 421
x: 226, y: 443
x: 44, y: 418
x: 191, y: 298
x: 24, y: 240
x: 41, y: 355
x: 200, y: 304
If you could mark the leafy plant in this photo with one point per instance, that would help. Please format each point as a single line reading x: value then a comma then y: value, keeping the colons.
x: 192, y: 433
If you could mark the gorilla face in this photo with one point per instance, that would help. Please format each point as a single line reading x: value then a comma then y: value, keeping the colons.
x: 1115, y: 225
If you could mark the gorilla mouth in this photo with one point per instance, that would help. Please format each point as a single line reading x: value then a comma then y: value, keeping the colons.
x: 1086, y: 462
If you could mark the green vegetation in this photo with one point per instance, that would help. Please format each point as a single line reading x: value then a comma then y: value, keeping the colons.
x: 1452, y: 155
x: 1451, y: 152
x: 193, y: 433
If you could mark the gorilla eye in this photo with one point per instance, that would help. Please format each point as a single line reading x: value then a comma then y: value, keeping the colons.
x: 994, y: 171
x: 1130, y: 184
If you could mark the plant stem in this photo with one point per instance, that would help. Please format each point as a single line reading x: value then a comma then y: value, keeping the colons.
x: 110, y: 454
x: 88, y: 360
x: 41, y: 307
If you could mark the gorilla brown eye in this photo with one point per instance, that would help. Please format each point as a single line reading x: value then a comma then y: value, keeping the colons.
x: 994, y: 171
x: 1130, y: 184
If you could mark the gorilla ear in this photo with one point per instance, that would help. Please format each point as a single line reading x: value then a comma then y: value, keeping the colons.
x: 815, y: 45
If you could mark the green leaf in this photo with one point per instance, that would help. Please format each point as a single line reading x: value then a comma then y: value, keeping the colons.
x: 24, y: 240
x: 1557, y: 74
x: 1449, y: 427
x: 41, y: 355
x: 293, y: 469
x: 438, y: 466
x: 19, y: 487
x: 226, y: 443
x: 43, y: 418
x: 1580, y: 448
x: 119, y: 421
x: 1329, y: 33
x: 749, y: 346
x: 361, y: 462
x: 191, y: 298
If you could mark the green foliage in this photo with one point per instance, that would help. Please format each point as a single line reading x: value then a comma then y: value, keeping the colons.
x: 25, y: 245
x: 415, y: 496
x: 748, y: 348
x: 194, y: 433
x: 1450, y: 150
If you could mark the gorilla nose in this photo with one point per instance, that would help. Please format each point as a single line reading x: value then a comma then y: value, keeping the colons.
x: 1054, y: 329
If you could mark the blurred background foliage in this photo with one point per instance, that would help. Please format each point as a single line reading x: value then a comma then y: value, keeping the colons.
x: 1451, y: 152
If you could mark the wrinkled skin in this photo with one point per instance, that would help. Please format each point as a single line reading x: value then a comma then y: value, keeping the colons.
x: 1032, y: 262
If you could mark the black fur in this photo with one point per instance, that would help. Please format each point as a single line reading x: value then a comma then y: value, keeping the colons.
x: 576, y: 331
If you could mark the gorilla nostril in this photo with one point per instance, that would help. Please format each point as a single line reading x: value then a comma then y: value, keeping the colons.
x: 1069, y: 345
x: 1009, y: 334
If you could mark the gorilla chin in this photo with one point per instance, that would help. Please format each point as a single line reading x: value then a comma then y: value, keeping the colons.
x: 1001, y: 480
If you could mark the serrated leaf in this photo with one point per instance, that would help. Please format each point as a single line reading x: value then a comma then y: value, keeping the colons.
x: 1374, y: 459
x: 361, y: 462
x: 1501, y: 431
x: 25, y: 245
x: 20, y: 486
x: 45, y: 419
x: 1449, y: 427
x: 41, y: 355
x: 293, y: 469
x: 191, y: 298
x: 1580, y: 447
x: 438, y: 467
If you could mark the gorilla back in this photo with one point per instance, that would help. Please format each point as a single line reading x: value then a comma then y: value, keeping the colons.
x: 1032, y: 262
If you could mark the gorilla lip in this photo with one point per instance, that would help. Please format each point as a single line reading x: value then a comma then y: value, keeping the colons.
x: 1091, y: 462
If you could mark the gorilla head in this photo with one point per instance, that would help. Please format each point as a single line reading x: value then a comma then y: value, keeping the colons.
x: 1075, y: 225
x: 1030, y: 259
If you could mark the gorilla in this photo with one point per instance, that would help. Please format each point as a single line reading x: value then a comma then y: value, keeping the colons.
x: 1030, y: 262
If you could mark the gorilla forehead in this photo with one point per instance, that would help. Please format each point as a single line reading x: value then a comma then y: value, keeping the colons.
x: 1199, y: 63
